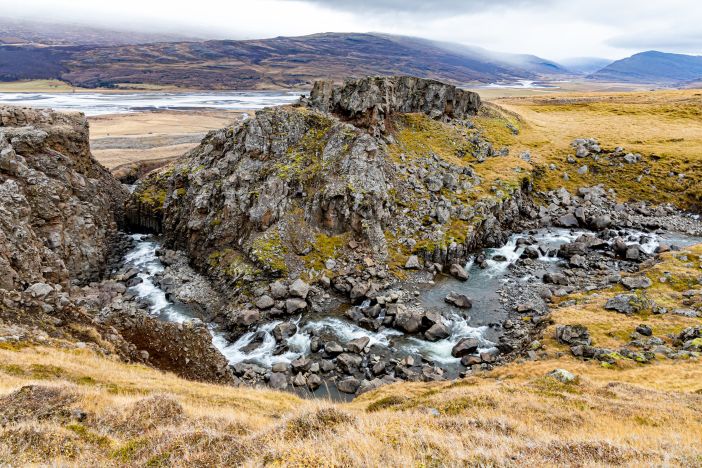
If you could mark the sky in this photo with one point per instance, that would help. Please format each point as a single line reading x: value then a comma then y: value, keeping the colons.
x: 554, y: 29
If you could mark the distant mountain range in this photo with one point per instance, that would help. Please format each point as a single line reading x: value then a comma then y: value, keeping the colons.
x: 93, y: 57
x: 269, y: 63
x: 653, y: 67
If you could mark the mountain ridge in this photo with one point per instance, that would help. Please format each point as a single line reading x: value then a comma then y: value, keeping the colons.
x: 653, y: 66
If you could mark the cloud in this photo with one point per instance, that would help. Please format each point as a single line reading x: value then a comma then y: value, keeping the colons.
x: 689, y: 41
x: 435, y: 8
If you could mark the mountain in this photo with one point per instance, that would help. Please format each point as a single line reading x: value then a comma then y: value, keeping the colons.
x: 653, y: 67
x: 585, y: 65
x: 24, y: 32
x: 281, y: 62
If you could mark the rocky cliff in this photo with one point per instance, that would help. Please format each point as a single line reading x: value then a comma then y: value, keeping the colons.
x: 59, y: 208
x: 369, y: 101
x: 343, y: 188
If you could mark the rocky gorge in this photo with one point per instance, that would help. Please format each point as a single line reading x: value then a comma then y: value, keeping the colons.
x: 319, y: 245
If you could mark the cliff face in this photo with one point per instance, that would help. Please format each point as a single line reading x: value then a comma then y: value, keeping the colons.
x: 59, y: 208
x: 369, y: 101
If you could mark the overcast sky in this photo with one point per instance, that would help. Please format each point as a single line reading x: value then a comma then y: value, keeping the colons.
x: 554, y: 29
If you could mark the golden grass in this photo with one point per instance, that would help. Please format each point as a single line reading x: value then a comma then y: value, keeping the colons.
x: 667, y: 124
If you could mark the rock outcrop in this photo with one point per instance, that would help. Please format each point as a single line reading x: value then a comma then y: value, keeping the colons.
x: 369, y: 101
x: 59, y: 208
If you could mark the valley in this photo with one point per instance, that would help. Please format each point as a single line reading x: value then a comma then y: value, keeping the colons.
x: 424, y: 261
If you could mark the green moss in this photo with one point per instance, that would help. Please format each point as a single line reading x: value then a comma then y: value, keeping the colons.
x: 324, y: 247
x: 230, y: 263
x: 269, y: 252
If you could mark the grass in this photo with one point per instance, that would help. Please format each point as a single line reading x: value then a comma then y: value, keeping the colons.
x: 663, y: 126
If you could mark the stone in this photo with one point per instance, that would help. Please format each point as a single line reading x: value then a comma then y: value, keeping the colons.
x: 278, y: 290
x: 644, y: 330
x: 465, y: 346
x: 458, y: 272
x: 626, y: 304
x: 573, y: 335
x: 459, y: 300
x: 490, y: 355
x: 470, y: 360
x: 293, y: 305
x: 358, y: 345
x: 40, y: 290
x: 333, y: 348
x: 313, y: 382
x: 301, y: 364
x: 407, y: 320
x: 413, y: 263
x: 563, y: 376
x: 348, y: 363
x: 299, y: 289
x: 278, y: 381
x: 299, y: 380
x: 437, y: 332
x: 636, y: 282
x: 280, y: 367
x: 265, y: 302
x: 348, y: 385
x: 568, y: 220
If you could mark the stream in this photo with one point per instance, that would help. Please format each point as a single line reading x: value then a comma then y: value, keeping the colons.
x: 259, y: 345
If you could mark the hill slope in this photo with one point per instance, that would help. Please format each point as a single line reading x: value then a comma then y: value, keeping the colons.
x: 653, y: 67
x: 269, y: 63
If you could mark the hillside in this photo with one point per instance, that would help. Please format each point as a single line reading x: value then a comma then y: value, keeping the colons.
x: 653, y: 67
x: 267, y: 63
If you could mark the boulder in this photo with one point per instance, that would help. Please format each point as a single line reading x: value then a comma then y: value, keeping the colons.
x: 358, y: 345
x: 573, y: 335
x: 458, y: 272
x: 465, y: 346
x: 293, y: 305
x: 348, y: 363
x: 437, y: 332
x: 563, y: 376
x: 299, y: 289
x: 626, y: 303
x: 459, y: 300
x: 636, y: 282
x: 278, y: 381
x: 348, y: 385
x: 265, y: 302
x: 413, y: 263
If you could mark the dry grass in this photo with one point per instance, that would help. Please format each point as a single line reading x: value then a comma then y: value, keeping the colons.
x: 664, y: 126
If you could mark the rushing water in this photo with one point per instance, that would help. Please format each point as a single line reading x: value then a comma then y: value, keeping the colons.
x: 120, y: 103
x: 259, y: 346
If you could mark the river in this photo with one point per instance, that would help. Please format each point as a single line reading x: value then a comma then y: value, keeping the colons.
x: 92, y: 104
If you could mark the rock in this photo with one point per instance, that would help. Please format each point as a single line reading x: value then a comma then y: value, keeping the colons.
x: 458, y: 272
x: 278, y: 290
x: 348, y: 363
x: 563, y: 376
x: 407, y: 320
x: 413, y: 263
x: 626, y: 304
x: 333, y: 348
x: 370, y: 100
x: 633, y: 253
x: 348, y: 385
x: 601, y: 222
x: 490, y: 355
x: 470, y: 360
x: 293, y: 305
x: 358, y: 345
x: 573, y: 335
x: 636, y: 282
x: 464, y: 347
x: 644, y: 330
x: 39, y: 290
x: 299, y: 289
x: 278, y: 381
x: 299, y: 380
x: 280, y: 367
x: 437, y: 332
x: 313, y: 382
x: 459, y: 300
x: 568, y: 220
x: 556, y: 278
x: 265, y: 302
x: 301, y: 364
